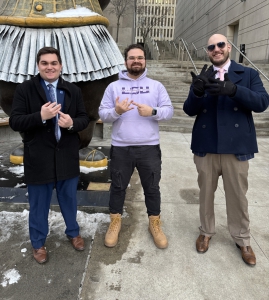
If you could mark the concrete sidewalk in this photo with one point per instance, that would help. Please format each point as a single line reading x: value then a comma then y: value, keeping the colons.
x: 135, y: 269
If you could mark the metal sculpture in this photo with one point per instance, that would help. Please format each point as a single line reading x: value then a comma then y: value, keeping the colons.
x: 91, y: 58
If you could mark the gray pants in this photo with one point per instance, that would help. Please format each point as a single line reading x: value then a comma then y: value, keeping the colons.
x: 234, y: 174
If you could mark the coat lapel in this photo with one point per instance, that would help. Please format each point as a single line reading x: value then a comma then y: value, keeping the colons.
x: 235, y: 72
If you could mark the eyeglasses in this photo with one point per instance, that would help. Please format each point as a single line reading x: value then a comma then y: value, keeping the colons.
x: 136, y: 57
x: 220, y: 45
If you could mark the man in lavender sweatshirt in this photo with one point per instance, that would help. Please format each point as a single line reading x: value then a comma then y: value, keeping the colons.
x: 134, y: 104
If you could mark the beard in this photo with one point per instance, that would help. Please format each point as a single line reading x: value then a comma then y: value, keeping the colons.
x: 136, y: 71
x: 222, y: 62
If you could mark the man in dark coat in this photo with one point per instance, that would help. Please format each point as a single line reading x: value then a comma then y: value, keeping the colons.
x: 222, y: 98
x: 49, y: 112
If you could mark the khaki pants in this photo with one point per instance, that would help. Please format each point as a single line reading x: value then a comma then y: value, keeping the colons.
x: 234, y: 174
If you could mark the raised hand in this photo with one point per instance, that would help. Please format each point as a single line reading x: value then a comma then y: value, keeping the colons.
x: 144, y: 110
x: 217, y: 87
x: 123, y: 106
x: 65, y: 120
x: 199, y: 81
x: 49, y: 110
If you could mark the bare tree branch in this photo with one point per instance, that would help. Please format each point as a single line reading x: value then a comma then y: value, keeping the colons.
x: 150, y: 17
x: 120, y: 8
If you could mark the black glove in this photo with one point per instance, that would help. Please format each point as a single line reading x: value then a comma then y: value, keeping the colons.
x: 199, y: 81
x: 216, y: 87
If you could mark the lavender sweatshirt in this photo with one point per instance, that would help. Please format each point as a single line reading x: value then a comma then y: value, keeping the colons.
x: 131, y: 129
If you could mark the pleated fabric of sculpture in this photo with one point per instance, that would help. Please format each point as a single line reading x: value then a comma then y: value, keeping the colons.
x: 88, y: 51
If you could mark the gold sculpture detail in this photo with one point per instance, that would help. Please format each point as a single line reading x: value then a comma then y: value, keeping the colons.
x: 33, y: 13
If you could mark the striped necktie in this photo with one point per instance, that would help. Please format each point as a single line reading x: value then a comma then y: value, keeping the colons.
x: 53, y: 99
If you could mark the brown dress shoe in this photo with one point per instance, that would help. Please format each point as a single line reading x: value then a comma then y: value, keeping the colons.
x: 77, y: 242
x: 202, y: 243
x: 248, y: 255
x: 40, y: 255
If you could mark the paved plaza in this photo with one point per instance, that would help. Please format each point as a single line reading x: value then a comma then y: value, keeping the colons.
x: 135, y: 269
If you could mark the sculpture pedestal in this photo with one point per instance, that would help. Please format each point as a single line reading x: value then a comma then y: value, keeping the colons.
x: 93, y: 188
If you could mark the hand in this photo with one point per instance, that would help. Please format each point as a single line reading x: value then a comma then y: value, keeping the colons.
x: 199, y: 81
x: 49, y: 110
x: 123, y: 106
x: 144, y: 110
x: 64, y: 120
x: 216, y: 87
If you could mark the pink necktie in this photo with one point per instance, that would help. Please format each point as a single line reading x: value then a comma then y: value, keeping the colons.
x: 221, y: 74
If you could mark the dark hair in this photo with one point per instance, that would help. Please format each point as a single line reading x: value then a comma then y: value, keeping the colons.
x: 133, y: 46
x: 48, y: 50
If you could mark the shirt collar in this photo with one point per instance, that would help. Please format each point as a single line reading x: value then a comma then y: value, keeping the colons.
x: 225, y: 67
x: 54, y: 83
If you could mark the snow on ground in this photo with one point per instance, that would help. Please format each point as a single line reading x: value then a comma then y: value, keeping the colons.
x: 18, y: 170
x: 88, y: 223
x: 17, y: 222
x: 86, y: 170
x: 10, y: 277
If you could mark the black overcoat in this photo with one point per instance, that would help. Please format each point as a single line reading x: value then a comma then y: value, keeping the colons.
x: 45, y: 159
x: 224, y: 125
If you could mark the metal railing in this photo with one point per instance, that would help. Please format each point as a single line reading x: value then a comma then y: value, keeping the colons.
x: 253, y: 65
x: 189, y: 56
x: 183, y: 51
x: 153, y: 48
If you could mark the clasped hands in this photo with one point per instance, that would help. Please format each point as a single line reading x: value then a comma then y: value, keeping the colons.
x: 49, y: 110
x: 206, y: 81
x: 125, y: 105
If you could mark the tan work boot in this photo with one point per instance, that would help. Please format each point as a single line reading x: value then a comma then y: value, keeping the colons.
x: 112, y: 234
x: 155, y: 229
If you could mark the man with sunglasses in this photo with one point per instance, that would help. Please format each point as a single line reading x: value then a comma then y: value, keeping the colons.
x: 134, y: 104
x: 222, y: 97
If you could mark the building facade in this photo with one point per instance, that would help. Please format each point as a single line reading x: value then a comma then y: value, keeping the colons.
x: 126, y: 35
x: 244, y: 22
x: 156, y: 19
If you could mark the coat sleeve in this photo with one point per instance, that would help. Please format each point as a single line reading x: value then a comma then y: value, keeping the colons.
x: 193, y: 104
x: 253, y: 97
x: 165, y: 108
x: 107, y: 111
x: 22, y: 118
x: 81, y: 119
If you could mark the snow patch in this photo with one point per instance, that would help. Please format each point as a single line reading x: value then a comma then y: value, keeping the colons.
x: 18, y: 170
x: 73, y: 12
x: 10, y: 277
x: 86, y: 170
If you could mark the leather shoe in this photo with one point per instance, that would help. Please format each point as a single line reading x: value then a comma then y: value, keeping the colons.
x: 202, y: 243
x: 77, y: 242
x: 40, y: 255
x: 248, y: 255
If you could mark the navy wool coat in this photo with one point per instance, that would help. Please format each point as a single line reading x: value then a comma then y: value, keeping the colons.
x: 45, y: 159
x: 224, y: 125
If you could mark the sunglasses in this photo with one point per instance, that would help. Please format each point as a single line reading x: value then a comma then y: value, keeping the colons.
x: 220, y: 45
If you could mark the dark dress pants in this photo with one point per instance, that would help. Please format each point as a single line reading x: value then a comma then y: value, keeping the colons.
x: 147, y: 161
x: 39, y: 200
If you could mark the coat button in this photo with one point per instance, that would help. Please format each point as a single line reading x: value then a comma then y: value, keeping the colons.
x: 235, y: 109
x: 236, y: 125
x: 204, y: 111
x: 49, y: 130
x: 204, y: 126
